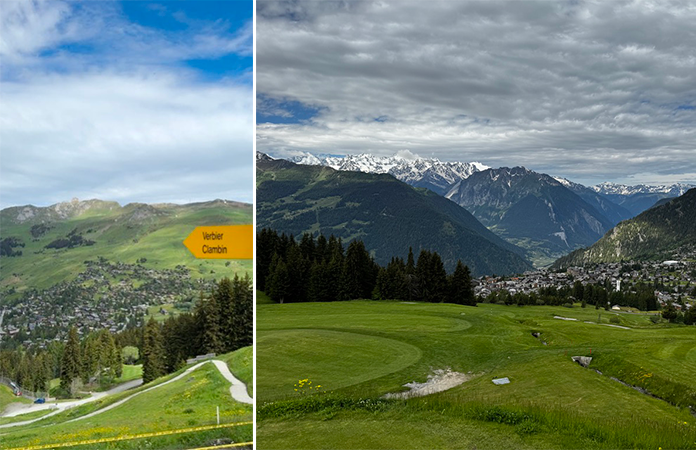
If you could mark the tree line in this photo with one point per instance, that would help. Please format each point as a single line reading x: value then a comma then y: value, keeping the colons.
x: 597, y: 295
x: 221, y: 322
x: 322, y: 270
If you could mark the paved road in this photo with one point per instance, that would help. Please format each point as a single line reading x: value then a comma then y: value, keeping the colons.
x: 238, y: 392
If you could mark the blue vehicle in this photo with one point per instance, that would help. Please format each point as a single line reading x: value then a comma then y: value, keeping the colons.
x: 40, y: 401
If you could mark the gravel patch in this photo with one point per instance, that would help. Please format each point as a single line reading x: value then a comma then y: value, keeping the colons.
x: 438, y: 381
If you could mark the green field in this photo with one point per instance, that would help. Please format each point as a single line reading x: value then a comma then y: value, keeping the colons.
x: 188, y: 402
x: 358, y: 351
x: 121, y: 234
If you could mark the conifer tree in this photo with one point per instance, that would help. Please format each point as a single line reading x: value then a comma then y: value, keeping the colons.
x: 460, y: 288
x: 225, y: 294
x: 71, y: 364
x: 152, y: 352
x: 278, y: 282
x: 243, y: 322
x: 208, y: 318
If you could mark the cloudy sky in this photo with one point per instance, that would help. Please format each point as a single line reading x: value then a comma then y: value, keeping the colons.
x: 131, y: 101
x: 590, y: 91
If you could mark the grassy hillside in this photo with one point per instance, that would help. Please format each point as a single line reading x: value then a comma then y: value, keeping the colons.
x: 152, y: 234
x: 359, y: 351
x: 186, y: 403
x: 7, y: 397
x: 386, y: 214
x: 656, y: 233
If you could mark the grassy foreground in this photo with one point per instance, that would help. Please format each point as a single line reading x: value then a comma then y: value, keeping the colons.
x: 185, y: 403
x: 359, y: 351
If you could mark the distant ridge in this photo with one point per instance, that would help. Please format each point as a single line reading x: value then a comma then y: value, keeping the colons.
x: 430, y: 173
x: 654, y: 234
x: 387, y: 214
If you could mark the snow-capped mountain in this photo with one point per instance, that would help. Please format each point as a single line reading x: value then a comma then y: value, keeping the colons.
x: 612, y: 211
x: 430, y: 173
x: 533, y: 210
x: 639, y: 198
x: 673, y: 190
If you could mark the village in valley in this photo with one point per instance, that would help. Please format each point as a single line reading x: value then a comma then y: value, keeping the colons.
x: 106, y: 295
x: 673, y: 281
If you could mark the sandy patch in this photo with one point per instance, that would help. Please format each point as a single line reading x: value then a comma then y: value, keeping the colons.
x: 438, y: 381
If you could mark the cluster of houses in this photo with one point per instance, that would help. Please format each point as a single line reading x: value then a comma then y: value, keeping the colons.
x: 674, y: 281
x: 105, y: 295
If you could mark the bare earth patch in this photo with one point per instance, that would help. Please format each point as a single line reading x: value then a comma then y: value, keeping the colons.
x: 440, y: 380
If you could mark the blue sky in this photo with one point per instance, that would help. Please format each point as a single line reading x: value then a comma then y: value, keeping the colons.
x: 591, y: 91
x: 126, y: 101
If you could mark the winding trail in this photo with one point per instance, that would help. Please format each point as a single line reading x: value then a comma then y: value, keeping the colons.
x: 238, y: 391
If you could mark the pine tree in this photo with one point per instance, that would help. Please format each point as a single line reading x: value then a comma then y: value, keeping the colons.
x: 211, y: 339
x: 278, y: 281
x: 152, y: 352
x: 71, y: 364
x: 243, y: 324
x: 224, y: 293
x: 461, y: 290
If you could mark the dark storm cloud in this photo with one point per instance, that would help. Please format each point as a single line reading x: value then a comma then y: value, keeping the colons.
x: 589, y: 91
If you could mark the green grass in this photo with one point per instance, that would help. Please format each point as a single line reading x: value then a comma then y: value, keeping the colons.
x: 263, y: 299
x: 7, y: 397
x: 23, y: 417
x: 188, y: 402
x: 350, y: 348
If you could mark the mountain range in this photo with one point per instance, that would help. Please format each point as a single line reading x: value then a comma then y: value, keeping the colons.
x: 430, y: 173
x: 531, y: 210
x: 639, y: 198
x: 388, y: 215
x: 547, y: 216
x: 659, y: 232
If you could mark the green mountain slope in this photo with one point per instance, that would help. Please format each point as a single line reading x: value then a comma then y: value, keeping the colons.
x: 388, y: 215
x: 656, y: 233
x: 50, y: 245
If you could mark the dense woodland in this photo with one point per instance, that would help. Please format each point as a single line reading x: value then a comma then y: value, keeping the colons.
x: 322, y: 270
x: 222, y: 321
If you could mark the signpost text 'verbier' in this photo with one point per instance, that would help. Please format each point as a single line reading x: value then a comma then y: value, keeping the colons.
x: 222, y: 242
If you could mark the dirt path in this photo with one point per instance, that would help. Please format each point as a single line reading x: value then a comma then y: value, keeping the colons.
x: 238, y: 392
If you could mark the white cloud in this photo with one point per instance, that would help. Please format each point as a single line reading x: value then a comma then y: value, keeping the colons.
x: 104, y: 125
x: 588, y: 91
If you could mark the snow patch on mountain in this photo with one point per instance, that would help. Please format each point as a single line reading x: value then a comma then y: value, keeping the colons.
x: 403, y: 165
x: 674, y: 190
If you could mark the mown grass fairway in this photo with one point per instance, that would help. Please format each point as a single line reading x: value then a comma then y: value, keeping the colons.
x: 358, y: 351
x: 188, y: 402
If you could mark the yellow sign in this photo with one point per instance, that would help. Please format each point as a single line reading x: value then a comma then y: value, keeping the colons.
x: 222, y: 242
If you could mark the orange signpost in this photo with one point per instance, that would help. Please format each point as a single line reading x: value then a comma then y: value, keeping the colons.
x: 222, y: 242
